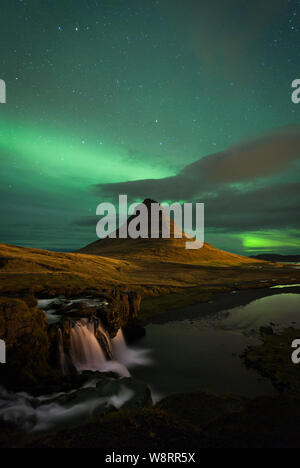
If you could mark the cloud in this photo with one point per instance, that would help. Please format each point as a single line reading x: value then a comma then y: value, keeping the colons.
x: 272, y: 207
x: 239, y: 186
x: 252, y: 186
x: 250, y: 160
x: 246, y: 163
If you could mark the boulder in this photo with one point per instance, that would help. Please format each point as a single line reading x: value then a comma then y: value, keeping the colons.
x: 140, y: 394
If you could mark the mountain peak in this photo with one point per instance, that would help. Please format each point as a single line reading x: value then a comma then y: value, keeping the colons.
x: 153, y: 249
x: 148, y: 202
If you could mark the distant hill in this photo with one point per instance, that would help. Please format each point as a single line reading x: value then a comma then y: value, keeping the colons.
x: 277, y: 258
x: 172, y: 250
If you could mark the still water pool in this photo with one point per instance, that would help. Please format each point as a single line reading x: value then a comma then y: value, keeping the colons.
x: 204, y: 353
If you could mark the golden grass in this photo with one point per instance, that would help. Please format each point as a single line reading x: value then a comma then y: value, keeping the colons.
x: 24, y: 268
x: 164, y: 250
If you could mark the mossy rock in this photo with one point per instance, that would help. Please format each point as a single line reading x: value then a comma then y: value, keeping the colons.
x: 272, y: 359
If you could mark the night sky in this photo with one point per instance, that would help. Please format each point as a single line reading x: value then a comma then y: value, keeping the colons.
x: 176, y: 100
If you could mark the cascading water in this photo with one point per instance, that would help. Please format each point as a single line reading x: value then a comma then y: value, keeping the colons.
x: 127, y: 355
x: 57, y: 410
x: 86, y: 352
x: 90, y: 348
x: 96, y: 396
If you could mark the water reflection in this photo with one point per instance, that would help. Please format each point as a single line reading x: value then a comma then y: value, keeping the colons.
x: 203, y: 353
x: 282, y: 310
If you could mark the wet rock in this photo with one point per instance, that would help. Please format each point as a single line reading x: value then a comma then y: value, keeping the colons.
x: 58, y: 305
x: 134, y: 330
x: 102, y: 410
x: 106, y: 388
x: 66, y: 326
x: 123, y: 307
x: 104, y: 343
x: 81, y: 396
x: 108, y: 394
x: 140, y: 392
x: 80, y: 309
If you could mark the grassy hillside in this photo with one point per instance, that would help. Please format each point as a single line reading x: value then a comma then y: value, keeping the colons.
x: 169, y: 250
x: 23, y: 268
x: 164, y: 250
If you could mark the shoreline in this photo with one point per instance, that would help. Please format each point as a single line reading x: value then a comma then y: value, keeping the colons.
x: 219, y: 302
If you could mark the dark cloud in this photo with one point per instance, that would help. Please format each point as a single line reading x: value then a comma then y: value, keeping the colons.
x: 270, y: 207
x: 247, y: 162
x: 237, y: 186
x: 234, y: 210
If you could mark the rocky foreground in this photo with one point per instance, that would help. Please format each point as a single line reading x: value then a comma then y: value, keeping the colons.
x: 33, y: 361
x: 189, y: 421
x: 134, y: 290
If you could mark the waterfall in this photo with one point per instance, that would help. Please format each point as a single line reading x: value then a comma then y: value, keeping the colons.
x: 84, y: 346
x: 86, y: 352
x: 92, y: 349
x: 127, y: 355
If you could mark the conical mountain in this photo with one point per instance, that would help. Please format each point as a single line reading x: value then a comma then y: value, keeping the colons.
x: 161, y: 249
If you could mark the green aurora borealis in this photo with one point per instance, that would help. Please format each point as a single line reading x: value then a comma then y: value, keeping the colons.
x: 113, y: 91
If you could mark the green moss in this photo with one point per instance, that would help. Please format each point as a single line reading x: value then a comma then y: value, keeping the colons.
x: 272, y: 359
